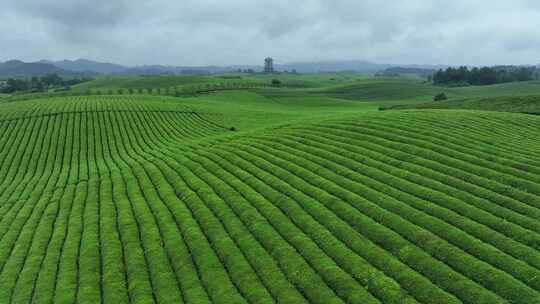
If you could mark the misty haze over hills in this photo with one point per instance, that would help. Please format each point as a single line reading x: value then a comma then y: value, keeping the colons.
x: 84, y: 65
x: 15, y: 68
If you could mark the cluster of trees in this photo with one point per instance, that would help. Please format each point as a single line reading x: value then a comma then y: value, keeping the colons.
x: 483, y: 76
x: 39, y: 84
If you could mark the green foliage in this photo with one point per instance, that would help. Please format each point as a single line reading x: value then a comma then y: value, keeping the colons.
x: 41, y: 84
x: 440, y: 97
x: 483, y: 76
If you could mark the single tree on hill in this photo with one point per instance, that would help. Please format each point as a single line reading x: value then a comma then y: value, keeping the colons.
x: 440, y: 97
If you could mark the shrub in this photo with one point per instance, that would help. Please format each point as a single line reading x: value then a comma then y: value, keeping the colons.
x: 440, y: 97
x: 276, y: 82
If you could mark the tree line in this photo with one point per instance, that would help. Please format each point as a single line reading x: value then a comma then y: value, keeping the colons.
x: 464, y: 76
x: 40, y: 84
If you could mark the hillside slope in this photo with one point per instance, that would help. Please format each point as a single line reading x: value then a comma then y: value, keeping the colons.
x: 516, y: 104
x: 15, y: 68
x: 407, y: 89
x: 144, y: 200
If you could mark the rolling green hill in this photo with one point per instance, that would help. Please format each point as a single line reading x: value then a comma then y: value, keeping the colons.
x: 126, y: 82
x: 106, y: 83
x: 403, y: 90
x: 378, y: 89
x: 268, y: 196
x: 506, y: 89
x: 518, y: 104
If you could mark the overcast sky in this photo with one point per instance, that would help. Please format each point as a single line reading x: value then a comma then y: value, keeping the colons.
x: 223, y: 32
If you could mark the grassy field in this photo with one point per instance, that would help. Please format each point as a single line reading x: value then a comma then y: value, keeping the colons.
x: 518, y: 104
x: 301, y: 194
x: 377, y: 89
x: 154, y: 82
x: 115, y: 82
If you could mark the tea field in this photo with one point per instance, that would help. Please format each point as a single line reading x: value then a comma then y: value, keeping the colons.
x: 266, y: 196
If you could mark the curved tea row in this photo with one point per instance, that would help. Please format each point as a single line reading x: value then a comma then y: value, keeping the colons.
x: 113, y: 199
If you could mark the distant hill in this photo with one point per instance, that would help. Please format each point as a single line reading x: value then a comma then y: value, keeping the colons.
x: 88, y: 66
x: 84, y: 65
x: 334, y: 66
x: 16, y: 68
x: 408, y: 71
x: 359, y: 66
x: 173, y: 70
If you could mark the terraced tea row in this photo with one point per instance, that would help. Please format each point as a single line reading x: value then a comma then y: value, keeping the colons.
x: 118, y: 202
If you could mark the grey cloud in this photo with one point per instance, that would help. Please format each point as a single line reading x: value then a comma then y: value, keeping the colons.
x: 195, y: 32
x: 76, y: 13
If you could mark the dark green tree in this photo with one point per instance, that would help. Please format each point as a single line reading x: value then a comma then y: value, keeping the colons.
x: 440, y: 97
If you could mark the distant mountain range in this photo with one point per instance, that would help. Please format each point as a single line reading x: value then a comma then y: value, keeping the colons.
x: 15, y: 68
x: 87, y: 66
x: 84, y: 67
x: 334, y: 66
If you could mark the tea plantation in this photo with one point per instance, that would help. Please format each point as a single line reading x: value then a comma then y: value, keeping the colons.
x: 261, y: 197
